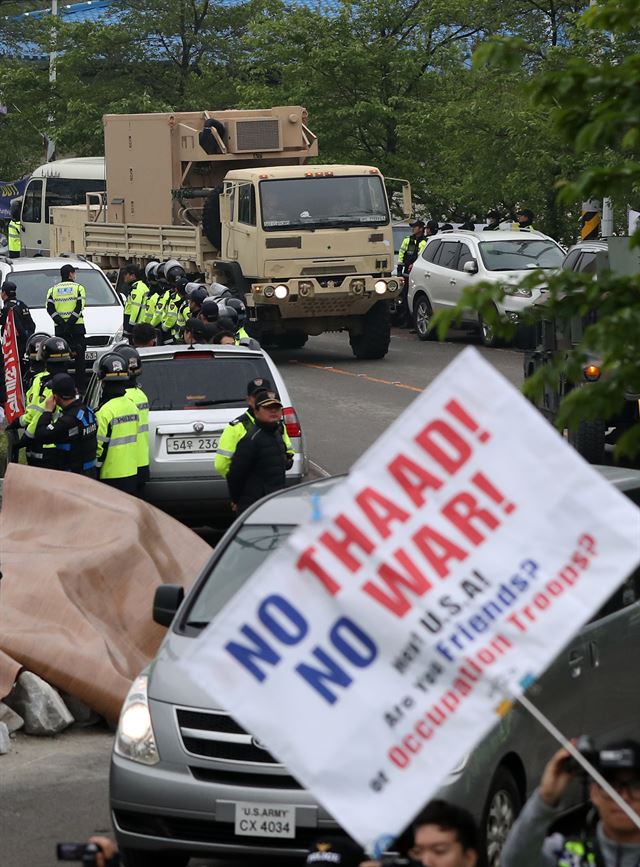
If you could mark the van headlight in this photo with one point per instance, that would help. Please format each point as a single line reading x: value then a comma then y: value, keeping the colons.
x: 134, y: 738
x: 117, y: 337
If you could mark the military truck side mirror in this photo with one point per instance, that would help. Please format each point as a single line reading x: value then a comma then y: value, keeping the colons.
x: 166, y: 601
x: 470, y: 267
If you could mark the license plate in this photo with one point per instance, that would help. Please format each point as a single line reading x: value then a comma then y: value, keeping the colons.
x: 192, y: 445
x: 265, y: 820
x: 90, y: 354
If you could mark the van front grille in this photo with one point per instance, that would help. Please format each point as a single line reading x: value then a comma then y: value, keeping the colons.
x: 215, y: 735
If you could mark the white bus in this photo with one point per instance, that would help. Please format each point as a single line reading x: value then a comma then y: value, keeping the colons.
x: 62, y: 182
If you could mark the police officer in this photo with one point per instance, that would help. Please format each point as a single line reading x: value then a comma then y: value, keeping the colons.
x: 261, y: 460
x: 118, y: 420
x: 410, y: 249
x: 72, y: 432
x: 65, y: 305
x: 25, y: 326
x: 209, y: 311
x: 147, y: 313
x: 614, y: 842
x: 14, y: 238
x: 55, y: 355
x: 137, y: 395
x: 524, y: 220
x: 33, y: 364
x: 137, y: 297
x: 493, y: 221
x: 241, y: 311
x: 238, y: 428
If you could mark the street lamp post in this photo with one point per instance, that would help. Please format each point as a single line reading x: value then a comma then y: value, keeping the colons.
x: 53, y: 74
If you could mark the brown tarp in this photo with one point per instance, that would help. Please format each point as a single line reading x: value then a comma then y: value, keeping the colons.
x: 81, y: 563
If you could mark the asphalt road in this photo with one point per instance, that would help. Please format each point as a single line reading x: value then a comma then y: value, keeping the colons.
x: 57, y: 789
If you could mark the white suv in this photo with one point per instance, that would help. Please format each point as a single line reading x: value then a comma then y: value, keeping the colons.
x: 454, y: 260
x: 103, y: 312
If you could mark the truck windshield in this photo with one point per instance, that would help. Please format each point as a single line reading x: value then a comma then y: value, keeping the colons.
x: 32, y: 286
x: 516, y: 255
x: 320, y: 203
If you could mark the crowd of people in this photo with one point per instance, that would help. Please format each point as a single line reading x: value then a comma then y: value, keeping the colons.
x: 60, y: 431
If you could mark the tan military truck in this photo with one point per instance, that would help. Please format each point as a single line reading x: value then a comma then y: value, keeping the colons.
x: 232, y: 196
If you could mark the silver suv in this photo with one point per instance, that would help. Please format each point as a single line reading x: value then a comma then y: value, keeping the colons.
x: 193, y: 394
x: 454, y: 260
x: 185, y: 775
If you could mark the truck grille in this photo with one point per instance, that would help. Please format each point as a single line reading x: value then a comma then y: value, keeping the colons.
x: 328, y: 270
x: 215, y: 735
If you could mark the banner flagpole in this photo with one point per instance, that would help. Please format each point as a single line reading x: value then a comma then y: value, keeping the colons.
x: 580, y: 759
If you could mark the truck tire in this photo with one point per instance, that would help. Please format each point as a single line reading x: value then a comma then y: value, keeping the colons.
x: 291, y: 340
x: 374, y: 340
x: 211, y: 225
x: 588, y: 439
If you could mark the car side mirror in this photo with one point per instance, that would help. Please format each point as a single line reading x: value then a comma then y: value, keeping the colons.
x: 470, y: 267
x: 166, y: 601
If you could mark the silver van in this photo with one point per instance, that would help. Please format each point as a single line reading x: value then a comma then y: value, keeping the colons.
x: 183, y: 771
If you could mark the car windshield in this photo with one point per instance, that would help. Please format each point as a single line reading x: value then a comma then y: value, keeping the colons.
x: 516, y: 255
x: 323, y: 202
x: 32, y: 286
x: 240, y: 559
x: 196, y: 379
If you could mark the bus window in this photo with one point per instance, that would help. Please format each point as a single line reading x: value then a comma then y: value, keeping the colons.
x: 69, y: 191
x: 32, y: 204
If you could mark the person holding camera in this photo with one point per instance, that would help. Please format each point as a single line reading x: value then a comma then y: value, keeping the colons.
x: 443, y: 835
x: 615, y: 840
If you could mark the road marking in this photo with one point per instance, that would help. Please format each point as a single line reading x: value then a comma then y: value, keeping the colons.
x: 329, y: 369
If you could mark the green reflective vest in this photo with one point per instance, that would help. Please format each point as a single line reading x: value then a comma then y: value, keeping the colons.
x: 160, y: 304
x: 410, y: 249
x: 14, y: 238
x: 118, y: 438
x: 149, y: 309
x: 68, y: 299
x: 577, y: 853
x: 141, y: 400
x: 136, y: 302
x: 231, y: 436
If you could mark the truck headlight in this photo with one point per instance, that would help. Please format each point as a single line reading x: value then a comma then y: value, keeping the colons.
x: 281, y: 292
x: 269, y: 291
x: 392, y: 285
x: 134, y: 738
x: 380, y: 286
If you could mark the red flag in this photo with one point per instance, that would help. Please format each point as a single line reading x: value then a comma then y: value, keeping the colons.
x: 14, y: 405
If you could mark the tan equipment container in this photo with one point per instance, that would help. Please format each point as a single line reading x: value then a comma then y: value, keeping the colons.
x: 230, y: 194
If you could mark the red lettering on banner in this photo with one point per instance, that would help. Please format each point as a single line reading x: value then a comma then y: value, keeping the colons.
x: 392, y: 597
x: 14, y: 404
x: 380, y: 511
x: 353, y: 537
x: 306, y: 561
x: 464, y: 512
x: 445, y: 445
x: 413, y: 479
x: 437, y: 549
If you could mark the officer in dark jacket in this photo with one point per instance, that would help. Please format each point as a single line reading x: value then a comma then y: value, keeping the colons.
x: 25, y: 325
x: 73, y: 432
x: 260, y: 462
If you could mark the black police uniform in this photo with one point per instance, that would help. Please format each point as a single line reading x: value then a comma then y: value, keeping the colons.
x: 258, y: 466
x: 74, y: 432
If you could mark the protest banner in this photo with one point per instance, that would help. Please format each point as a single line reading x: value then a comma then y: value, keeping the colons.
x: 377, y: 647
x: 14, y: 404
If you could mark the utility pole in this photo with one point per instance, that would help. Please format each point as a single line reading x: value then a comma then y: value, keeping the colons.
x: 53, y: 76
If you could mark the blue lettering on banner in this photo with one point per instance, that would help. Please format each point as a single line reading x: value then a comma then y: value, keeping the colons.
x: 246, y: 655
x: 279, y: 603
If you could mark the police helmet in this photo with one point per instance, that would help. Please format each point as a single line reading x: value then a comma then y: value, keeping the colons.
x: 34, y: 343
x: 132, y: 357
x: 240, y: 309
x: 113, y: 367
x: 173, y: 270
x: 219, y: 290
x: 54, y: 350
x: 228, y: 313
x: 209, y: 309
x: 150, y: 270
x: 198, y: 295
